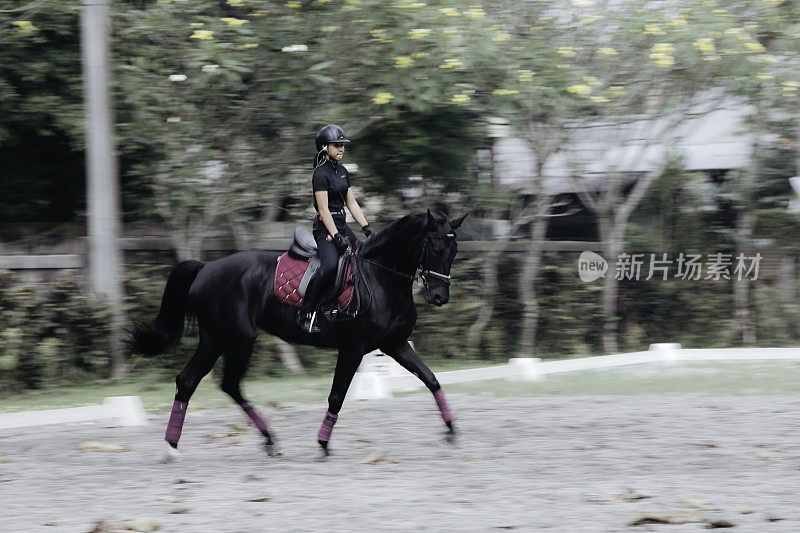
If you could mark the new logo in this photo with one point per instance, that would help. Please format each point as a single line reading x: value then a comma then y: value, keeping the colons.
x: 591, y: 266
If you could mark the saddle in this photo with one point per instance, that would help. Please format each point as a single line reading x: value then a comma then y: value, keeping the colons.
x: 297, y: 267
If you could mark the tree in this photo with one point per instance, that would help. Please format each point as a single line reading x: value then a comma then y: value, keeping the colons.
x: 41, y: 112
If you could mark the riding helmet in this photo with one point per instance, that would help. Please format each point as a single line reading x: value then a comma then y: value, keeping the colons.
x: 330, y: 134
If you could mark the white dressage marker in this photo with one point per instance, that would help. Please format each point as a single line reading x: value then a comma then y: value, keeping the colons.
x: 123, y: 410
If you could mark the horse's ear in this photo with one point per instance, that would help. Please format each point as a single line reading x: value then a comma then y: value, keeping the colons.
x: 457, y: 222
x: 431, y: 220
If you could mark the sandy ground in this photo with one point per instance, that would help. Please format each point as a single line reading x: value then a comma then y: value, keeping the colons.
x: 565, y: 464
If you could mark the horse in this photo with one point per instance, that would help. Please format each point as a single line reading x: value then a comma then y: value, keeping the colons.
x: 232, y: 297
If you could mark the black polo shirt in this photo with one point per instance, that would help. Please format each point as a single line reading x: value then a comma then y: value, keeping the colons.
x: 335, y: 179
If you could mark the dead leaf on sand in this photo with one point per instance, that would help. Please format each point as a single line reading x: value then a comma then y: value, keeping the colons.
x: 766, y: 455
x: 142, y: 524
x: 719, y: 523
x: 697, y: 505
x: 259, y: 499
x: 376, y: 458
x: 678, y: 517
x: 93, y: 447
x: 631, y: 495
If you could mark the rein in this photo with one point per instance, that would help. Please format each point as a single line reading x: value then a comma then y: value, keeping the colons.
x: 423, y: 272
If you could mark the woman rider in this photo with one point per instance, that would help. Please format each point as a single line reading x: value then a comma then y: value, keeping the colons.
x: 332, y: 193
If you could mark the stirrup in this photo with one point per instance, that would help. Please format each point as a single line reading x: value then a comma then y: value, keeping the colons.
x: 308, y: 322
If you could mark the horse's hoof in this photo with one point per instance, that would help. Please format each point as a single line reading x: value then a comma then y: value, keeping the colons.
x: 450, y: 434
x: 171, y: 455
x: 271, y: 446
x: 272, y: 450
x: 324, y: 445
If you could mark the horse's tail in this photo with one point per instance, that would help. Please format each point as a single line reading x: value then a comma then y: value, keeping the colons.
x: 165, y: 331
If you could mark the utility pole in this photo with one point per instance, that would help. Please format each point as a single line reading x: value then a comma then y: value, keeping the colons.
x: 102, y: 190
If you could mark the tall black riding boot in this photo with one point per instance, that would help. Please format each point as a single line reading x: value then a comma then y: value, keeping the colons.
x: 307, y: 314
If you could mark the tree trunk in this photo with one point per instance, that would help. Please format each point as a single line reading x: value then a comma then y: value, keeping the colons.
x: 743, y: 289
x: 488, y: 290
x: 527, y: 286
x: 612, y: 246
x: 289, y: 357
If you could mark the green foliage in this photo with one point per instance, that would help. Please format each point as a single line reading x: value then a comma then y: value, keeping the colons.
x: 51, y: 336
x: 41, y: 114
x: 397, y: 148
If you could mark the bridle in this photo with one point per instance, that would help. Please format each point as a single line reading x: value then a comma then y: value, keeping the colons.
x: 424, y: 271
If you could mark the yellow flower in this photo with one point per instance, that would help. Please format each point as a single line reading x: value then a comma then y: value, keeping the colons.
x: 591, y: 81
x: 410, y: 5
x: 475, y: 13
x: 678, y: 22
x: 566, y: 51
x: 705, y: 45
x: 501, y: 36
x: 234, y: 22
x: 24, y: 27
x: 653, y: 29
x: 235, y: 3
x: 419, y: 33
x: 663, y: 48
x: 790, y: 86
x: 663, y: 60
x: 293, y: 5
x: 403, y: 62
x: 764, y: 76
x: 607, y: 51
x: 617, y: 91
x: 452, y: 63
x: 450, y: 11
x: 196, y: 25
x: 330, y: 28
x: 579, y: 89
x: 525, y: 75
x: 662, y: 53
x: 259, y: 13
x: 754, y: 46
x: 582, y: 3
x: 505, y: 92
x: 203, y: 35
x: 460, y: 98
x: 599, y: 99
x: 382, y: 98
x: 250, y: 45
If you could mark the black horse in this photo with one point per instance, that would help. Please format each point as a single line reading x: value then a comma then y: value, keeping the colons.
x: 233, y: 296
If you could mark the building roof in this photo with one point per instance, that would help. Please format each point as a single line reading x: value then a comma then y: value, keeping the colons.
x: 713, y: 140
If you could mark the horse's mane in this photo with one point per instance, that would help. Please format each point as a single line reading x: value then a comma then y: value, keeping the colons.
x: 411, y: 223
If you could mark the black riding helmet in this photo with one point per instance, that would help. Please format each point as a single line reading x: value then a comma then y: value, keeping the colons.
x: 330, y: 134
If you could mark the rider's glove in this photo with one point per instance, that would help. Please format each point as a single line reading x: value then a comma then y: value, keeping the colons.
x: 340, y: 242
x: 367, y: 231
